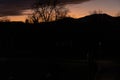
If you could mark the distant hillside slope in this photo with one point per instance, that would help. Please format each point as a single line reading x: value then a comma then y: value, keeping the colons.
x: 91, y: 23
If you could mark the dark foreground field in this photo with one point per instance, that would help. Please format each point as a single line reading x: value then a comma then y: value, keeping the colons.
x: 68, y: 49
x: 57, y: 69
x: 43, y: 70
x: 60, y: 58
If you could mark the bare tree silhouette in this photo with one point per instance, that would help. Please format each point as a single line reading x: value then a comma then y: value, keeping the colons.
x: 46, y: 11
x: 96, y: 12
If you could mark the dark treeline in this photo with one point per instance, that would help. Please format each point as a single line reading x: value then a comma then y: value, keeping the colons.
x: 60, y: 38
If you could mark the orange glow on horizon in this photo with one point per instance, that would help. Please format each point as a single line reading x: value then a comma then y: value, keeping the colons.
x: 22, y: 18
x: 71, y: 14
x: 18, y: 18
x: 75, y: 13
x: 110, y: 7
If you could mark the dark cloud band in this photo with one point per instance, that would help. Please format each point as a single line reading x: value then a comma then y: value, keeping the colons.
x: 15, y: 7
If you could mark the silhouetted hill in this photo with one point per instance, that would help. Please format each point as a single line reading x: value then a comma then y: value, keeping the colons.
x: 68, y: 37
x: 91, y: 23
x: 99, y: 18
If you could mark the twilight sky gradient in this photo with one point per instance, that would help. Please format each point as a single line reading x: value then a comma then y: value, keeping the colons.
x: 17, y: 10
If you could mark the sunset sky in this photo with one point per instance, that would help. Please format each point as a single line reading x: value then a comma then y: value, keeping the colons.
x: 17, y: 10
